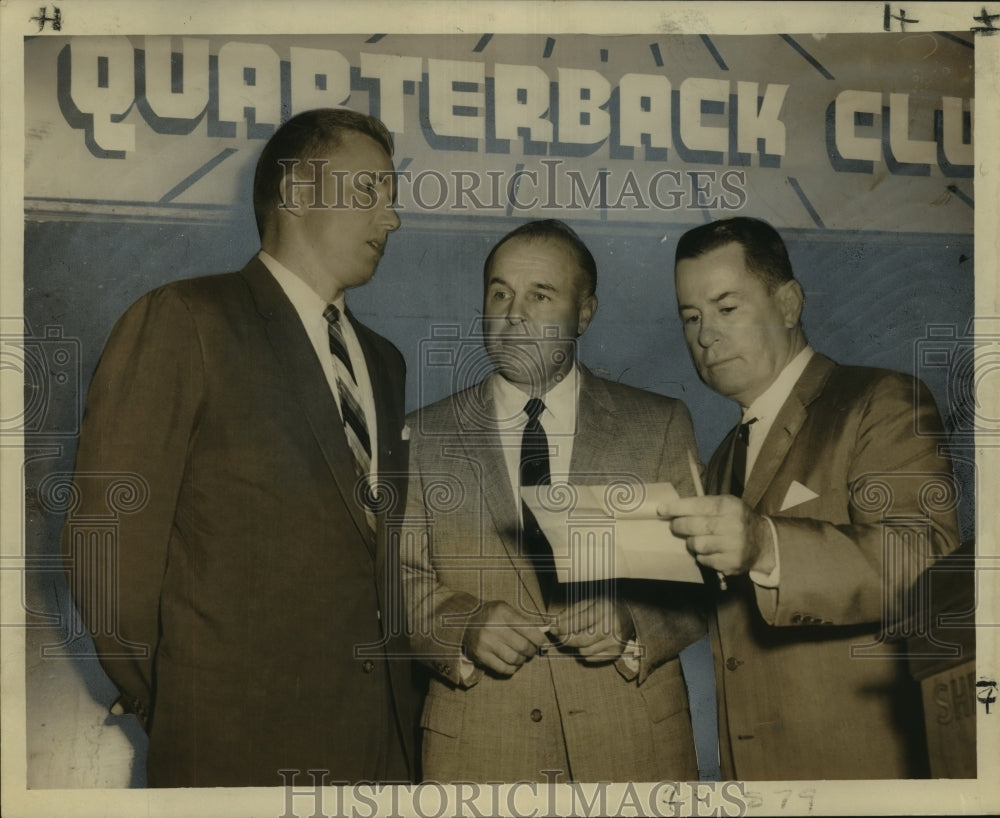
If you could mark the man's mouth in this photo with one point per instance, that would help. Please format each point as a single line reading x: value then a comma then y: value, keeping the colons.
x: 376, y: 245
x: 717, y: 363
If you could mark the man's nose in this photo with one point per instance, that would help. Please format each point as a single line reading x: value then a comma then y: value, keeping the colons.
x: 708, y: 334
x: 388, y: 218
x: 515, y: 313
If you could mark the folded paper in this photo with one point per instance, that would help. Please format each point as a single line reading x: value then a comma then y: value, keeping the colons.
x: 609, y: 531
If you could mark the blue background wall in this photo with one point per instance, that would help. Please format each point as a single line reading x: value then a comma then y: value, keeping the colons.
x: 870, y: 299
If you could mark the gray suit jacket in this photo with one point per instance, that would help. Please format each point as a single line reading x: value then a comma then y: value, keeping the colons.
x: 590, y: 722
x: 810, y: 685
x: 244, y: 629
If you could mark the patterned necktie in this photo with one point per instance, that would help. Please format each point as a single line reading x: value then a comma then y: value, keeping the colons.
x: 351, y: 411
x: 738, y: 480
x: 535, y: 471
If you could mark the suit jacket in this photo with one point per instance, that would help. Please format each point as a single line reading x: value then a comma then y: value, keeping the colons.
x: 810, y: 685
x: 244, y: 628
x: 589, y: 722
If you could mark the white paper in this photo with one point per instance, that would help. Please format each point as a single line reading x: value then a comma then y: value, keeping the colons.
x: 603, y: 532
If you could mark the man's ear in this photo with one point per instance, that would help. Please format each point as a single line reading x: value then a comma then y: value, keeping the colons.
x: 585, y: 314
x: 790, y: 299
x: 289, y: 197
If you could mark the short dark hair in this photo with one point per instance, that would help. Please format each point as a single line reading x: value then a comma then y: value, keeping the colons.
x: 307, y: 136
x: 764, y: 251
x: 555, y: 230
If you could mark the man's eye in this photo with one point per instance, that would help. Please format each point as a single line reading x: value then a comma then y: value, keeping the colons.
x: 727, y: 310
x: 540, y: 296
x: 499, y: 295
x: 691, y: 319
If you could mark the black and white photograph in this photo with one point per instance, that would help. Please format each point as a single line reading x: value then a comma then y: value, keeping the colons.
x: 525, y: 408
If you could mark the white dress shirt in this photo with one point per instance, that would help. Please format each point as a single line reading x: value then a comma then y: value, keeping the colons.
x: 765, y: 408
x: 310, y: 306
x: 558, y: 421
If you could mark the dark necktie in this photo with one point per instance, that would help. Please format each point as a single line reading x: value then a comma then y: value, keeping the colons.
x: 535, y: 471
x: 351, y: 411
x: 739, y: 476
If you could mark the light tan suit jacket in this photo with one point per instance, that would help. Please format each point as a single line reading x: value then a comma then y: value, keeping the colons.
x: 588, y: 722
x: 810, y: 686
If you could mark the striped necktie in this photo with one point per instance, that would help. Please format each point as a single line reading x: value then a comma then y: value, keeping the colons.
x: 351, y: 410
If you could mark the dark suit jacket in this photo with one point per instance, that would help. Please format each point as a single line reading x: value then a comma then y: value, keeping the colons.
x: 246, y: 630
x: 591, y: 722
x: 808, y: 687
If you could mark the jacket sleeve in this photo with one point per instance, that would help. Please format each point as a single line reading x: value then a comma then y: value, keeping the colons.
x: 900, y: 516
x: 140, y: 416
x: 668, y: 616
x: 436, y: 614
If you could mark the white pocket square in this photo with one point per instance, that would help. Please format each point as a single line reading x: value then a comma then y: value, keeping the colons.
x: 405, y: 434
x: 796, y: 495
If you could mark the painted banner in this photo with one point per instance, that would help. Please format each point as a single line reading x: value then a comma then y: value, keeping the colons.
x: 870, y: 132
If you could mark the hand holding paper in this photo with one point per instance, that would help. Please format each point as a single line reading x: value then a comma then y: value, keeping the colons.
x: 603, y: 532
x: 722, y: 532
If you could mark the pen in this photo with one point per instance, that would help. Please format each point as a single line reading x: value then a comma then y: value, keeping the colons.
x: 700, y: 492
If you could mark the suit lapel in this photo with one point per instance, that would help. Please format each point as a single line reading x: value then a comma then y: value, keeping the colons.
x: 786, y: 426
x: 304, y: 372
x: 776, y: 445
x: 485, y: 446
x: 720, y: 468
x: 597, y: 430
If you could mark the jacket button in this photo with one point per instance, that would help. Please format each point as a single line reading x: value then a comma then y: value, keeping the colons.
x: 732, y: 663
x: 536, y: 715
x: 368, y: 666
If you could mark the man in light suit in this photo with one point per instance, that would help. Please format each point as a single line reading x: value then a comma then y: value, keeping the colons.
x: 246, y: 630
x: 534, y: 680
x: 825, y: 505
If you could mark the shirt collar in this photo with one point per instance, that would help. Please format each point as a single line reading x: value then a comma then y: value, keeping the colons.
x: 560, y: 403
x: 766, y: 407
x: 303, y: 297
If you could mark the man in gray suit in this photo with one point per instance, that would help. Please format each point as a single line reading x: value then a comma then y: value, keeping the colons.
x: 534, y: 680
x: 257, y: 413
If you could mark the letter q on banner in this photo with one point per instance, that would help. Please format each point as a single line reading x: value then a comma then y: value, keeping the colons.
x: 103, y: 88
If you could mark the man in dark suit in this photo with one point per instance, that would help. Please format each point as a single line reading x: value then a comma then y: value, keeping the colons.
x: 535, y: 680
x: 824, y: 506
x: 248, y: 631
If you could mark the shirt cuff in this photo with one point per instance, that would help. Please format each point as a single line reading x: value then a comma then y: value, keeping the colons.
x: 772, y: 579
x: 630, y: 656
x: 466, y: 670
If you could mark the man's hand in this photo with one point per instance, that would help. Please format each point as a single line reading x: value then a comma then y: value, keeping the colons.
x: 501, y: 639
x: 597, y: 627
x: 722, y: 533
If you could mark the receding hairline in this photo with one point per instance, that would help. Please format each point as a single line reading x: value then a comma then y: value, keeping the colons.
x: 582, y: 280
